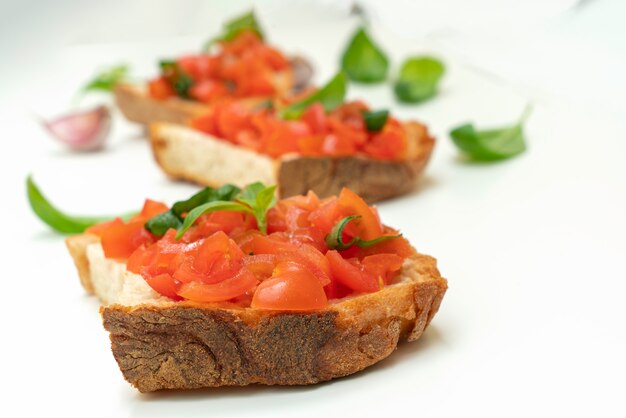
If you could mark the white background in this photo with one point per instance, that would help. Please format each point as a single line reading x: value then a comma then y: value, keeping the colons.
x: 533, y: 323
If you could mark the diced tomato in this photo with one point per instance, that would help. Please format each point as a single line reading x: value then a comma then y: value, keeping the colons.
x: 164, y: 284
x: 160, y: 89
x: 208, y: 90
x: 336, y: 290
x: 315, y: 117
x: 120, y: 239
x: 292, y: 290
x: 152, y: 208
x: 261, y: 265
x: 98, y: 228
x: 338, y: 145
x: 311, y: 144
x: 326, y: 215
x: 389, y: 144
x: 205, y: 123
x: 350, y: 275
x: 200, y: 67
x: 369, y: 226
x: 383, y: 266
x: 227, y: 289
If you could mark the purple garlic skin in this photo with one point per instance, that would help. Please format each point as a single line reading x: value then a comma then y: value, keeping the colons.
x: 83, y: 130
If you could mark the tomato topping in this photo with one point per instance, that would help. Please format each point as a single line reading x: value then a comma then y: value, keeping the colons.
x: 351, y: 274
x: 242, y: 67
x: 368, y: 225
x: 292, y: 289
x: 224, y: 257
x: 226, y: 289
x: 160, y: 89
x: 341, y: 132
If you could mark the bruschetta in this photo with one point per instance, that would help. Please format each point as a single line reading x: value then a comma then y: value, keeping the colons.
x: 231, y: 287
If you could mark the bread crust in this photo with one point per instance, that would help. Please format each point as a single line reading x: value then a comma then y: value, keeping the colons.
x: 372, y: 179
x: 186, y: 345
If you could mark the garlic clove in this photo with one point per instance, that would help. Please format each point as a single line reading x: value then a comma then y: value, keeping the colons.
x: 82, y: 131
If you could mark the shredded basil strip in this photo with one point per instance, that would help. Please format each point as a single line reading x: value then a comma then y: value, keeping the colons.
x: 330, y: 96
x: 56, y: 219
x: 363, y: 60
x: 418, y: 80
x: 234, y: 27
x: 375, y: 120
x: 180, y: 81
x: 255, y: 199
x: 492, y: 144
x: 334, y: 240
x: 173, y: 218
x: 107, y: 79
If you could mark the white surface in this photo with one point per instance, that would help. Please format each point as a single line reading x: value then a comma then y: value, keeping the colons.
x: 533, y: 322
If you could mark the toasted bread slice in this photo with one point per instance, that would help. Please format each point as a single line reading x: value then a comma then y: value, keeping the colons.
x: 184, y: 153
x: 160, y: 344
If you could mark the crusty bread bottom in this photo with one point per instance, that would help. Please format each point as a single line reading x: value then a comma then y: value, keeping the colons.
x: 184, y: 345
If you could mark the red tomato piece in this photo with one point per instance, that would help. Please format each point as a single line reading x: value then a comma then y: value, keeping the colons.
x: 293, y: 290
x: 205, y: 123
x: 208, y: 90
x: 350, y: 275
x: 338, y: 145
x: 315, y: 117
x: 261, y: 265
x: 120, y: 240
x: 160, y: 89
x: 152, y: 208
x: 229, y: 288
x: 382, y: 266
x: 164, y: 284
x: 368, y: 225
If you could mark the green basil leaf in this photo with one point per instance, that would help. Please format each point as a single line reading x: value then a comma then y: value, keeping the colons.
x: 173, y: 218
x: 418, y: 80
x: 159, y: 224
x: 492, y: 144
x: 330, y: 96
x: 57, y: 220
x: 370, y: 243
x: 195, y: 213
x: 106, y: 80
x: 180, y: 81
x: 334, y: 240
x: 375, y: 120
x: 363, y: 60
x: 260, y: 199
x: 235, y: 26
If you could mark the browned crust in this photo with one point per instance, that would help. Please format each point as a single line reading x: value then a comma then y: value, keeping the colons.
x: 138, y: 107
x: 190, y: 346
x: 187, y: 345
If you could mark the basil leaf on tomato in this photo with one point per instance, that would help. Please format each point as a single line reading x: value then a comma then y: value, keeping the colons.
x: 375, y: 120
x: 173, y: 218
x: 335, y: 241
x: 330, y: 96
x: 256, y: 199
